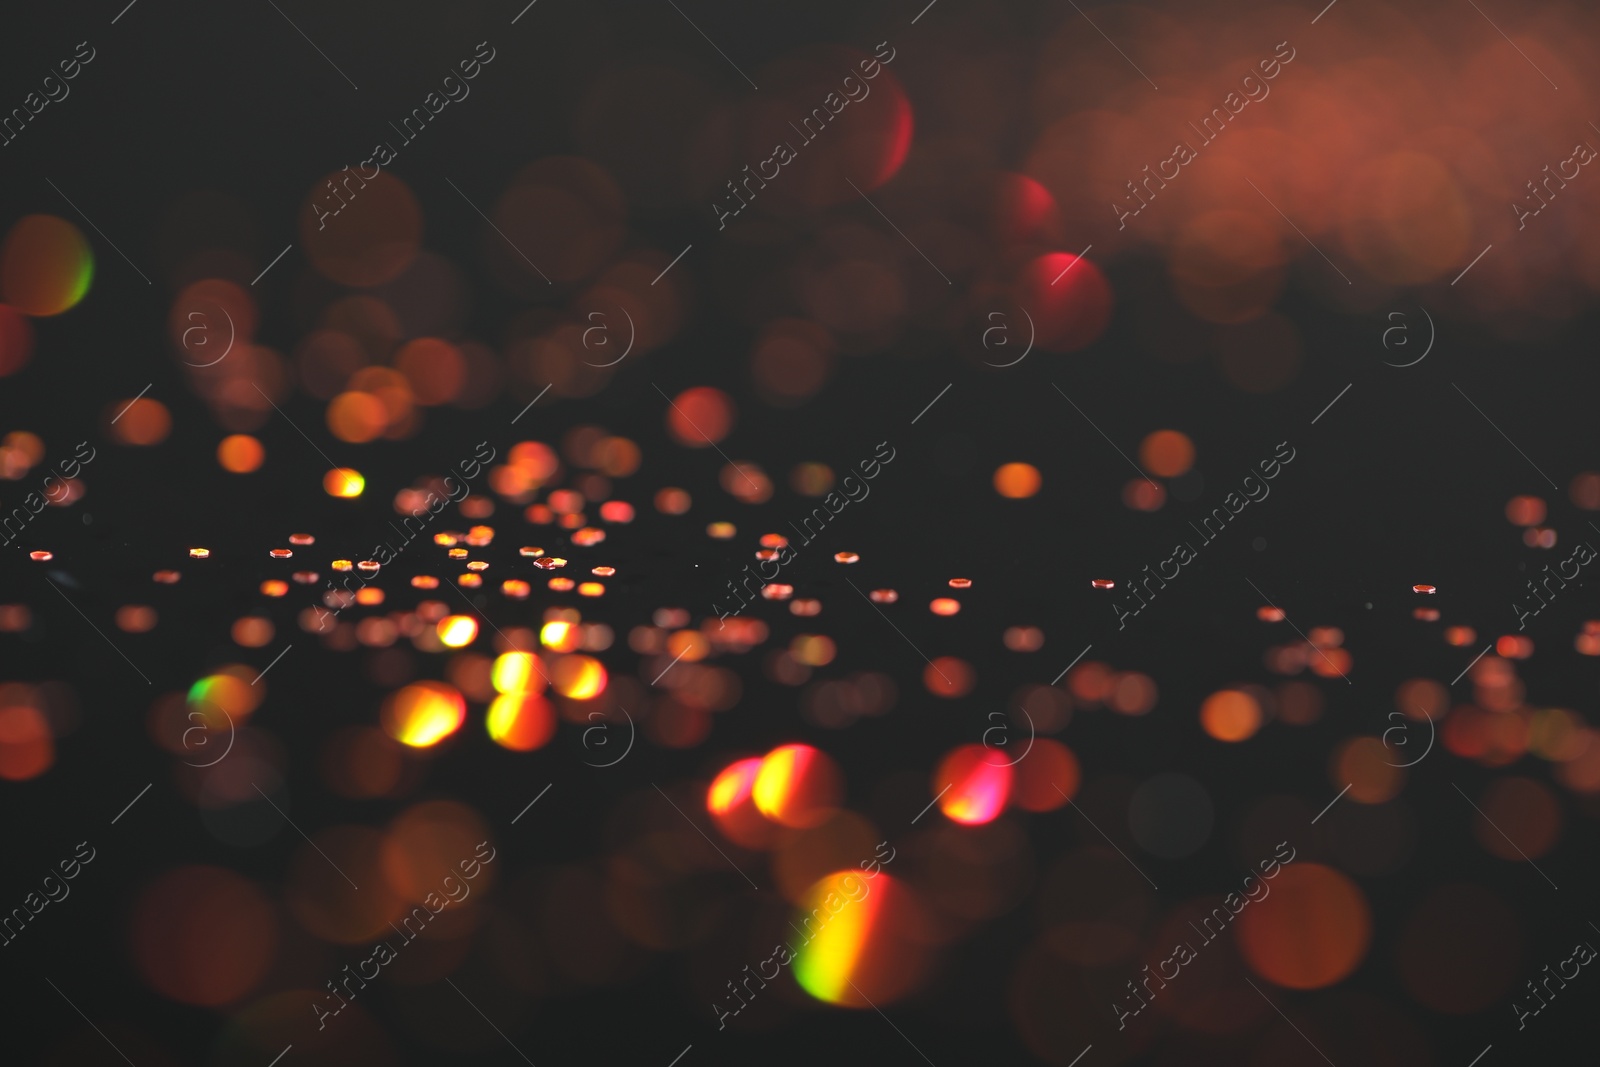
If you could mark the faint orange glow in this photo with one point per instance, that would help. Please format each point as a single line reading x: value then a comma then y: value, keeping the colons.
x: 670, y: 501
x: 203, y: 936
x: 136, y: 618
x: 1460, y: 635
x: 1514, y: 646
x: 1525, y: 510
x: 240, y: 453
x: 1023, y: 638
x: 356, y: 417
x: 1520, y: 819
x: 1367, y: 765
x: 700, y: 417
x: 1230, y: 715
x: 948, y: 676
x: 1046, y: 777
x: 1167, y: 453
x: 1143, y: 495
x: 27, y: 749
x: 142, y: 422
x: 1311, y: 931
x: 944, y: 606
x: 252, y: 631
x: 1017, y: 480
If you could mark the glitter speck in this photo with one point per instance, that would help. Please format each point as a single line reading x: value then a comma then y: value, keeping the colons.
x: 1103, y: 583
x: 846, y: 557
x: 200, y: 553
x: 281, y: 553
x: 1424, y: 589
x: 961, y: 583
x: 42, y: 557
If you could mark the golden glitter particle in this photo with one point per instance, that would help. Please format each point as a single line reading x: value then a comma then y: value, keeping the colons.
x: 603, y: 572
x: 194, y: 553
x: 591, y: 589
x: 516, y: 588
x: 479, y: 536
x: 368, y: 567
x: 944, y: 606
x: 477, y: 565
x: 274, y: 587
x: 166, y: 577
x: 45, y: 557
x: 531, y: 551
x: 469, y: 580
x: 805, y: 607
x: 722, y: 531
x: 550, y: 563
x: 369, y: 596
x: 1426, y: 614
x: 766, y: 555
x: 561, y: 585
x: 883, y: 596
x: 588, y: 537
x: 1102, y: 583
x: 458, y: 553
x: 302, y: 539
x: 1424, y: 589
x: 846, y: 557
x: 618, y: 511
x: 773, y: 540
x: 281, y: 553
x: 1267, y: 613
x: 424, y: 581
x: 777, y: 591
x: 305, y: 577
x: 445, y: 539
x: 342, y: 565
x: 961, y: 583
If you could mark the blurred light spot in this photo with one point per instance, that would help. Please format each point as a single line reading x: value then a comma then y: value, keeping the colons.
x: 978, y: 785
x: 45, y: 265
x: 1310, y: 932
x: 797, y: 786
x: 424, y: 713
x: 1017, y: 481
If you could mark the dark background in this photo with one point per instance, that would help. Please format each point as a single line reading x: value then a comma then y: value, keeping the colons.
x: 1401, y: 482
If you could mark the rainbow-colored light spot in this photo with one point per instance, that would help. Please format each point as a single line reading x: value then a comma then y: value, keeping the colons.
x: 733, y: 786
x: 979, y: 785
x: 424, y: 713
x: 841, y: 912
